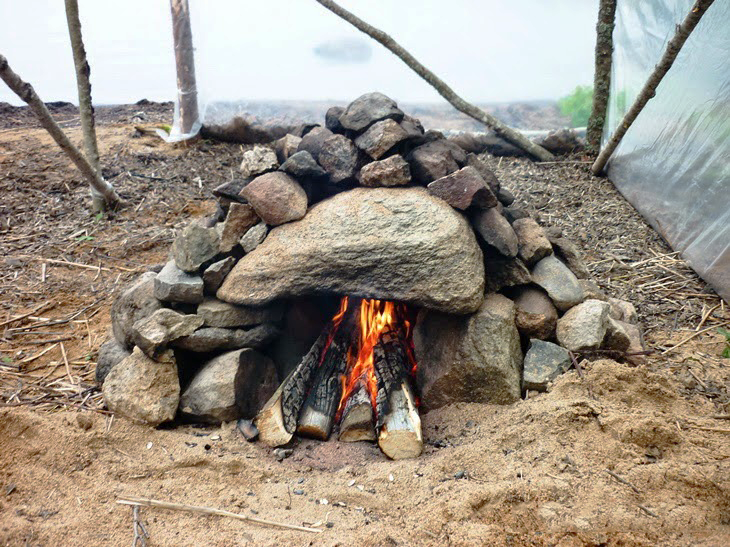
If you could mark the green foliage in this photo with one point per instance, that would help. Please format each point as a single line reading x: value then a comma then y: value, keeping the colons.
x: 578, y: 105
x: 726, y: 334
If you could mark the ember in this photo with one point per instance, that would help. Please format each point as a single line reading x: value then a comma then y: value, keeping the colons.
x: 357, y: 374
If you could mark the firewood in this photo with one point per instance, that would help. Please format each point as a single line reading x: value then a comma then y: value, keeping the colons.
x: 389, y: 360
x: 270, y: 421
x: 400, y: 436
x: 357, y: 417
x: 318, y: 413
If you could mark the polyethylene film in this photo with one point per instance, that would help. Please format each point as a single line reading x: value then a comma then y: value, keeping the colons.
x: 673, y: 164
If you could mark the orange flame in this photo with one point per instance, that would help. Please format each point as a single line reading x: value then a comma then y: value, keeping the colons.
x: 374, y: 318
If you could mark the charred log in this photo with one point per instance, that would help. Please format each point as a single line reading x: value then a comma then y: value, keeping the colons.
x: 318, y: 413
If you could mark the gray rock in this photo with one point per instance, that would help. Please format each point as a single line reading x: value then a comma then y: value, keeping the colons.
x: 561, y: 141
x: 431, y: 161
x: 636, y: 345
x: 194, y: 246
x: 534, y: 246
x: 210, y: 339
x: 412, y: 127
x: 568, y: 252
x: 143, y: 390
x: 502, y: 272
x: 133, y: 303
x: 514, y: 213
x: 174, y: 285
x: 332, y: 119
x: 560, y: 283
x: 486, y: 173
x: 215, y: 313
x: 397, y: 243
x: 505, y: 197
x: 544, y: 362
x: 393, y: 171
x: 617, y: 336
x: 230, y: 190
x: 152, y: 334
x: 111, y: 353
x: 622, y: 310
x: 214, y: 274
x: 286, y: 146
x: 258, y: 160
x: 584, y: 326
x: 495, y: 230
x: 380, y: 138
x: 302, y: 164
x: 228, y: 386
x: 254, y: 237
x: 536, y: 315
x: 239, y: 219
x: 463, y: 188
x: 312, y: 142
x: 476, y: 358
x: 340, y: 158
x: 276, y: 197
x: 368, y: 109
x: 592, y: 290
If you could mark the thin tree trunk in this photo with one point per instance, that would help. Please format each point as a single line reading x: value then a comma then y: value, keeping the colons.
x: 649, y: 90
x: 86, y: 110
x: 185, y: 65
x: 26, y: 92
x: 507, y: 133
x: 602, y: 74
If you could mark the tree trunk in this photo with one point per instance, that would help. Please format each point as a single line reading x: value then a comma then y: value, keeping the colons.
x: 602, y: 74
x: 86, y: 110
x: 26, y: 93
x: 187, y: 91
x: 507, y: 133
x: 649, y: 90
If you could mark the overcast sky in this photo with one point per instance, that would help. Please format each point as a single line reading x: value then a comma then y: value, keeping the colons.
x: 487, y: 50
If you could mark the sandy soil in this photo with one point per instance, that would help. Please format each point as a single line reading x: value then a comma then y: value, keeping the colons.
x: 535, y: 473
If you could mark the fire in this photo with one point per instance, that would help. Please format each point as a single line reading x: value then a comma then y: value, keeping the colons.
x: 374, y: 318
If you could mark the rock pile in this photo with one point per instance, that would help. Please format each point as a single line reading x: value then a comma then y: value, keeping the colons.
x: 369, y: 205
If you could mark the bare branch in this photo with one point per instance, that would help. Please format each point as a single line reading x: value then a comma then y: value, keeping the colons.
x: 26, y: 92
x: 649, y: 90
x: 86, y: 110
x: 602, y: 74
x: 507, y: 133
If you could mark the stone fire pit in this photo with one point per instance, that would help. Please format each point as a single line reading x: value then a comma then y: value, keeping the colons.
x: 374, y: 208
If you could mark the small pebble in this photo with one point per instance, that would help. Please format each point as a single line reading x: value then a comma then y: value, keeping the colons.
x: 391, y: 478
x: 299, y: 492
x: 360, y: 487
x: 330, y: 524
x: 460, y: 474
x: 149, y: 445
x: 215, y: 437
x: 351, y: 483
x: 323, y: 501
x: 300, y: 480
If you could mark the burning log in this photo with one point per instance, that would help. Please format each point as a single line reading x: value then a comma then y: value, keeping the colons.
x: 357, y: 418
x: 398, y: 423
x: 318, y: 413
x: 401, y: 437
x: 277, y: 420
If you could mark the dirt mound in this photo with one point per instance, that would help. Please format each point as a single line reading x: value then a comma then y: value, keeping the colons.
x: 614, y: 458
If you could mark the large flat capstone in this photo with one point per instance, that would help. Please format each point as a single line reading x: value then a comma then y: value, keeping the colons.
x: 390, y: 243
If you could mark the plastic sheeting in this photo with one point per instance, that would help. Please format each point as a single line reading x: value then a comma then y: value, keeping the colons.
x: 673, y: 164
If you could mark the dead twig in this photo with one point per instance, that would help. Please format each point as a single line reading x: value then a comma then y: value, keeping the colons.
x: 695, y: 335
x: 212, y: 511
x: 140, y: 532
x: 648, y: 511
x: 37, y: 309
x: 622, y: 480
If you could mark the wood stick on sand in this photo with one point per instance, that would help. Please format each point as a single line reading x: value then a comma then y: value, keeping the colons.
x: 146, y: 502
